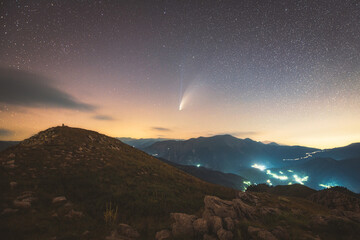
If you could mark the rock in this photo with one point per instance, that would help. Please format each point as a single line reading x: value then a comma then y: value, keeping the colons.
x: 9, y: 211
x: 13, y: 185
x: 224, y: 234
x: 74, y: 214
x: 260, y: 234
x: 214, y: 223
x: 243, y: 210
x: 248, y: 198
x: 200, y: 226
x: 209, y: 237
x: 229, y: 224
x: 127, y: 231
x: 163, y: 235
x: 22, y: 204
x: 264, y: 211
x: 183, y: 224
x: 219, y: 207
x: 59, y: 199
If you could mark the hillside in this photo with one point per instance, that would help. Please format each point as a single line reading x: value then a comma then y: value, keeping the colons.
x: 6, y: 144
x: 226, y: 153
x: 224, y: 179
x: 58, y: 184
x: 340, y: 153
x: 141, y: 143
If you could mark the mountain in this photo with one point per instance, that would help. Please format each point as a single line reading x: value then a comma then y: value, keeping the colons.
x: 70, y: 183
x: 141, y: 143
x: 6, y: 144
x: 340, y: 153
x: 316, y: 173
x: 226, y: 153
x: 225, y: 179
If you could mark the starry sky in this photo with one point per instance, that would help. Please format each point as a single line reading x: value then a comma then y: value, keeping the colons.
x: 283, y: 71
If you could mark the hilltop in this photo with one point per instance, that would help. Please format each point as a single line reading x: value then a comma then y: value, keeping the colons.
x: 59, y: 183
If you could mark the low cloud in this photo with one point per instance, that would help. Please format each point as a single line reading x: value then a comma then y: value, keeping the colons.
x: 5, y: 132
x: 103, y: 118
x: 27, y: 89
x: 161, y: 129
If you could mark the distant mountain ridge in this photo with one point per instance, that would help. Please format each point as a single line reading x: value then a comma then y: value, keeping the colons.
x: 141, y: 143
x: 226, y: 153
x: 216, y: 177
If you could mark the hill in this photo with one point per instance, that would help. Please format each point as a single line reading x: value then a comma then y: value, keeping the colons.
x: 60, y: 182
x: 141, y: 143
x: 225, y: 179
x: 226, y: 153
x: 6, y: 144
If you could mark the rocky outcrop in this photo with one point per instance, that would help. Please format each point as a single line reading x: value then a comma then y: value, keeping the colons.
x: 123, y: 232
x: 248, y: 215
x: 218, y: 220
x: 260, y: 234
x: 163, y: 235
x: 183, y: 224
x: 336, y: 200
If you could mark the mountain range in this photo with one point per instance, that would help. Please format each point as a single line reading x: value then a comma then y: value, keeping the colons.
x: 318, y: 168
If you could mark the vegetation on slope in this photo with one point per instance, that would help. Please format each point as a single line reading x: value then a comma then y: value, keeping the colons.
x: 91, y: 170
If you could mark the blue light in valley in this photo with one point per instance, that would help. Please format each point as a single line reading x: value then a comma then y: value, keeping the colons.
x: 258, y: 166
x: 328, y: 185
x: 274, y: 175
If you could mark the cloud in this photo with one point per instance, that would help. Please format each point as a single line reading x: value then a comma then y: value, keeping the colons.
x: 161, y: 129
x: 5, y: 132
x: 103, y: 117
x: 27, y: 89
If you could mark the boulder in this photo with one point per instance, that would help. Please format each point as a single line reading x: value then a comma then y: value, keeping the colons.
x: 219, y: 207
x: 248, y: 198
x: 22, y: 204
x: 215, y: 223
x: 163, y: 235
x: 229, y: 224
x: 200, y: 226
x: 260, y: 234
x: 224, y: 234
x: 59, y: 199
x: 243, y: 210
x: 127, y: 231
x: 209, y: 237
x: 74, y: 214
x: 183, y: 224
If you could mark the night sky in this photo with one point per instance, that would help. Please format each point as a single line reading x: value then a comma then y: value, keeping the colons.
x: 284, y: 71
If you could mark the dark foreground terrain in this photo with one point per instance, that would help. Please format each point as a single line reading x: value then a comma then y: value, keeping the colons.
x: 68, y: 183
